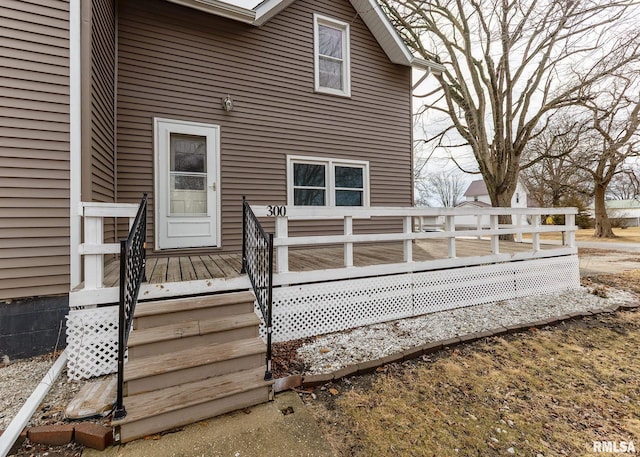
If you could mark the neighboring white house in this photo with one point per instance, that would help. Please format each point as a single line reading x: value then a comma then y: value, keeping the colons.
x: 477, y: 196
x: 477, y: 192
x: 626, y: 210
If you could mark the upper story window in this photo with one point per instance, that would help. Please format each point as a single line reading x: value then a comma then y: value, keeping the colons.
x: 327, y: 182
x: 332, y: 68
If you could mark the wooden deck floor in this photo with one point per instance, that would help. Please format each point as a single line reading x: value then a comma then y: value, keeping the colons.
x: 161, y: 269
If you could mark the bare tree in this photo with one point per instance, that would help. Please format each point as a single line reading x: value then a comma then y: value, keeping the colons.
x: 444, y: 188
x: 509, y: 64
x: 614, y: 139
x: 625, y: 185
x: 549, y: 173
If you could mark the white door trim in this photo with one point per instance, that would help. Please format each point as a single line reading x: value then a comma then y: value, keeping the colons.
x: 156, y: 175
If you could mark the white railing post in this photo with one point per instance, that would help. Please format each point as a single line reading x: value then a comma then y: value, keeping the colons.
x: 570, y: 222
x: 93, y: 263
x: 535, y: 234
x: 408, y: 244
x: 479, y: 225
x: 519, y: 225
x: 450, y: 227
x: 348, y: 247
x: 495, y: 239
x: 282, y: 252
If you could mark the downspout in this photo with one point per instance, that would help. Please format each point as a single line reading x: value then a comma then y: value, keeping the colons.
x: 19, y: 422
x: 75, y: 146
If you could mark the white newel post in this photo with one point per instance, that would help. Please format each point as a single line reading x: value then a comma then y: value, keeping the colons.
x: 407, y: 227
x: 535, y: 235
x: 348, y: 247
x: 495, y: 239
x: 450, y: 226
x: 570, y: 222
x: 519, y: 225
x: 282, y: 252
x: 93, y: 263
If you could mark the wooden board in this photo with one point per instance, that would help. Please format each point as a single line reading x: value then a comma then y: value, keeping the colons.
x: 187, y: 272
x: 93, y: 399
x: 160, y: 271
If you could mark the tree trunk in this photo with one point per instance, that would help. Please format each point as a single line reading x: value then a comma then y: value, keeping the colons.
x: 503, y: 200
x: 603, y: 224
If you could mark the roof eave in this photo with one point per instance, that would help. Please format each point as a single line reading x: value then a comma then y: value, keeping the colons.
x: 369, y: 11
x: 424, y: 64
x: 388, y: 37
x: 221, y: 9
x: 268, y: 9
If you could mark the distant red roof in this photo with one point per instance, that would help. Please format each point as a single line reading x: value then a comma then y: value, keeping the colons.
x: 476, y: 188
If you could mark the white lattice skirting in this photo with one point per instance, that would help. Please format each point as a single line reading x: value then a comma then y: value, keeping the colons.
x: 315, y: 309
x: 92, y: 342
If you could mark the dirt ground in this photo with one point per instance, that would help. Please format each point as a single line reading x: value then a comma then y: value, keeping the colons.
x: 549, y: 392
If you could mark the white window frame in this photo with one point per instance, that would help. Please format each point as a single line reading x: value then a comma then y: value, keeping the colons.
x: 319, y: 19
x: 330, y: 177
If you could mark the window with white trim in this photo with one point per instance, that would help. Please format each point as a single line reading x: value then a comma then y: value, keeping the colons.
x: 327, y: 182
x: 331, y: 53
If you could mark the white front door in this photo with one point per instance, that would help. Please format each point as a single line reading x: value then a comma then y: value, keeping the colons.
x: 187, y: 175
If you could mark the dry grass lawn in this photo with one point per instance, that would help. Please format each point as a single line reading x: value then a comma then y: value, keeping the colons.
x: 548, y: 392
x: 629, y: 280
x: 627, y: 235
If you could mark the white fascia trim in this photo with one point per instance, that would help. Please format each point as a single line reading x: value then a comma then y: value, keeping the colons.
x: 268, y: 9
x: 372, y: 14
x: 395, y: 48
x: 220, y: 9
x: 75, y: 149
x: 425, y: 64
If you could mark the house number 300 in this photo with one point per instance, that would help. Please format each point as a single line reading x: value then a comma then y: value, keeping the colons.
x: 276, y: 210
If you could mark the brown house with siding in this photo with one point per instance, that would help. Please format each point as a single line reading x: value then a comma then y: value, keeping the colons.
x: 196, y: 103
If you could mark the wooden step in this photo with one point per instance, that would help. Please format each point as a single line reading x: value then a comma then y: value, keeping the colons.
x: 182, y: 335
x: 183, y: 404
x: 192, y: 364
x: 167, y: 312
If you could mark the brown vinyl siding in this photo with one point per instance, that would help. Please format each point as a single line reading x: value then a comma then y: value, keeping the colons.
x: 102, y: 106
x: 34, y: 148
x: 177, y: 63
x: 103, y: 42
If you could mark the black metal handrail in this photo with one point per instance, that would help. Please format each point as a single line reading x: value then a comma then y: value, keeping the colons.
x: 132, y: 274
x: 257, y: 263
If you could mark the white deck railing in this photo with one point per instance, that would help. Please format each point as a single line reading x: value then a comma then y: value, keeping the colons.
x: 414, y: 219
x: 93, y: 249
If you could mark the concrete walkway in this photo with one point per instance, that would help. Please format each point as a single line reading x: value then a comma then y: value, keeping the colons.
x: 609, y: 246
x: 602, y: 245
x: 614, y: 257
x: 609, y: 262
x: 261, y: 431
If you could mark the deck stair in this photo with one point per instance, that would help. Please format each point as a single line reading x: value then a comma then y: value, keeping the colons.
x: 190, y: 359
